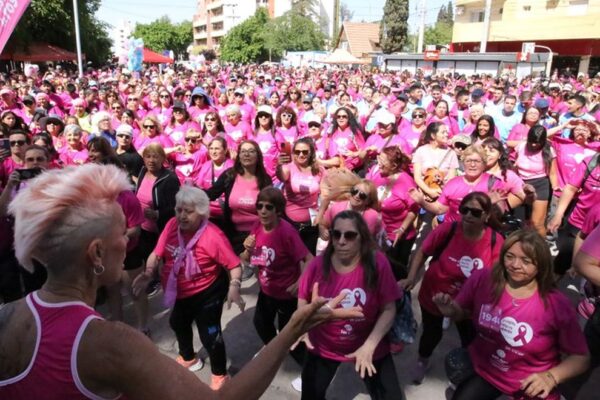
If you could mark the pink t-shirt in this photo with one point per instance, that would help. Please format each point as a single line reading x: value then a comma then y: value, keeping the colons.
x: 530, y: 165
x: 459, y: 258
x: 74, y: 157
x: 284, y: 134
x: 142, y: 141
x: 134, y: 216
x: 206, y: 177
x: 513, y: 182
x: 188, y: 166
x: 518, y: 337
x: 270, y: 151
x: 144, y: 195
x: 379, y: 142
x: 345, y: 141
x: 590, y: 245
x: 301, y: 192
x: 457, y: 188
x: 7, y: 167
x: 396, y: 203
x: 177, y: 132
x: 238, y: 133
x: 242, y: 202
x: 592, y: 220
x: 411, y: 137
x: 568, y: 156
x: 444, y: 159
x: 277, y: 255
x: 589, y: 195
x: 333, y: 340
x: 370, y: 216
x: 212, y: 252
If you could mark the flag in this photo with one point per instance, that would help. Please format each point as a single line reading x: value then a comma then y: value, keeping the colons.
x: 11, y: 12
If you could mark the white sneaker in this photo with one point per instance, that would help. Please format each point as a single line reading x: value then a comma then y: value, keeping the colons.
x: 297, y: 384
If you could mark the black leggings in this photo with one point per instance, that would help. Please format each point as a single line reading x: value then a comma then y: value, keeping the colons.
x: 318, y: 373
x: 308, y: 234
x: 398, y: 257
x: 476, y: 388
x: 433, y: 331
x: 204, y: 308
x: 566, y: 240
x: 267, y: 308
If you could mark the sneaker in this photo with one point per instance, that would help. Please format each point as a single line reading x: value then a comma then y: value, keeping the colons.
x: 193, y: 365
x: 297, y: 384
x: 216, y: 381
x: 419, y: 371
x: 247, y: 273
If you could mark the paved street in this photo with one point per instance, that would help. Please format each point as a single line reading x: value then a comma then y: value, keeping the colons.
x: 243, y: 342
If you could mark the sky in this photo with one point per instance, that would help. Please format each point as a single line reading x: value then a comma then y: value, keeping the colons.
x: 114, y: 11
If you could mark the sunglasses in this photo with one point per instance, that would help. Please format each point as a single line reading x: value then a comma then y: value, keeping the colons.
x: 116, y: 108
x: 131, y: 99
x: 418, y: 115
x: 476, y: 212
x: 35, y: 159
x: 122, y: 136
x: 28, y: 103
x: 301, y: 152
x: 163, y: 96
x: 341, y: 116
x: 14, y: 143
x: 460, y: 146
x: 348, y: 235
x: 149, y: 126
x: 191, y: 139
x: 260, y: 206
x: 210, y: 119
x: 314, y: 125
x: 264, y: 115
x: 238, y: 95
x: 361, y: 195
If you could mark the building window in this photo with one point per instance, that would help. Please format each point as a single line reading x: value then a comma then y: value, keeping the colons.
x: 526, y: 8
x: 477, y: 16
x: 501, y: 10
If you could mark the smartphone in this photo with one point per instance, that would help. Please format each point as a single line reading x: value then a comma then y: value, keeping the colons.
x: 286, y: 148
x: 5, y: 144
x: 25, y: 174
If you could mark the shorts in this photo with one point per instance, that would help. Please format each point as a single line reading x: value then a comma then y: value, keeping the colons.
x: 542, y: 187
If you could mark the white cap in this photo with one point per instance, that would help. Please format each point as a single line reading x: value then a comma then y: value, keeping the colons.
x: 385, y: 117
x: 264, y: 109
x: 125, y: 129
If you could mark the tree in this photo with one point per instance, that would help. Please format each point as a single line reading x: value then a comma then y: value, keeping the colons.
x: 246, y: 42
x: 450, y: 13
x: 394, y: 26
x: 446, y: 15
x: 293, y: 32
x: 307, y: 8
x: 345, y: 13
x: 439, y: 34
x: 209, y: 55
x: 51, y: 21
x: 162, y: 34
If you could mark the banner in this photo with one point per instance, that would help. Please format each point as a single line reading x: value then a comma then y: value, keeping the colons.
x: 11, y: 12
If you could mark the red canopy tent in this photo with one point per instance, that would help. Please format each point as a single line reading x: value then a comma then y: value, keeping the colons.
x: 38, y: 52
x: 155, y: 58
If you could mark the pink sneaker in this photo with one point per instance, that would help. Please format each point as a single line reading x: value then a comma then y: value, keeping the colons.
x: 193, y: 365
x: 216, y: 381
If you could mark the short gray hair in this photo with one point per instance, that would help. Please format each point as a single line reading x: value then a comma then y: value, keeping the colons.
x: 195, y: 197
x: 233, y: 109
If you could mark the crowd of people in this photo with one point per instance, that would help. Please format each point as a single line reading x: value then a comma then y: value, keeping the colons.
x: 352, y: 185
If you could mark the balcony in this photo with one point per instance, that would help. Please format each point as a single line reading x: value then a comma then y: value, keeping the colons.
x: 200, y: 35
x: 217, y: 18
x: 219, y: 33
x: 214, y: 4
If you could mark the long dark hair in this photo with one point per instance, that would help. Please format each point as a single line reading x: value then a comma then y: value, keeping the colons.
x: 429, y: 133
x: 538, y: 134
x: 503, y: 161
x: 220, y: 127
x: 367, y: 248
x: 286, y: 110
x: 486, y: 205
x: 312, y: 157
x: 535, y: 247
x: 490, y: 121
x: 102, y: 146
x: 272, y: 122
x: 263, y: 179
x: 352, y: 122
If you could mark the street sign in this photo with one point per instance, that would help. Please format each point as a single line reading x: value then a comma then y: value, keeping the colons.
x: 523, y: 57
x: 528, y: 47
x: 431, y: 55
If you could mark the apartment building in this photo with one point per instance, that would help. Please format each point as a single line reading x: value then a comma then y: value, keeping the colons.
x: 570, y: 28
x: 215, y: 18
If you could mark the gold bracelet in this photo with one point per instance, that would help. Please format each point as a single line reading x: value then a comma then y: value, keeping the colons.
x: 549, y: 375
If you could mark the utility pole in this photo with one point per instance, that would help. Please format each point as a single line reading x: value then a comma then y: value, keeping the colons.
x: 486, y: 26
x: 77, y: 38
x: 421, y: 26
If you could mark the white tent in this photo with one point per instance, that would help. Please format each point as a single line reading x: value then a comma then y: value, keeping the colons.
x: 341, y: 56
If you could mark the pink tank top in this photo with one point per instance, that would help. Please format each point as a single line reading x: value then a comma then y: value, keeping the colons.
x: 52, y: 372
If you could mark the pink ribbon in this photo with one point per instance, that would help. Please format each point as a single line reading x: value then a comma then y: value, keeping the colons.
x: 521, y: 335
x: 184, y: 256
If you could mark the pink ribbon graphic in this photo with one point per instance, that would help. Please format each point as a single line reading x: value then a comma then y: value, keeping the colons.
x: 521, y: 335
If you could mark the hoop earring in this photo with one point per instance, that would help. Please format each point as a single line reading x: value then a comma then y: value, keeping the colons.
x: 99, y: 269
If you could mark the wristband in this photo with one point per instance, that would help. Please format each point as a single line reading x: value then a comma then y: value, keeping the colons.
x: 549, y: 375
x: 235, y: 282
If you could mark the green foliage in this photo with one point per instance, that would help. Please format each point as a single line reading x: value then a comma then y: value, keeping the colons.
x: 51, y: 21
x: 394, y: 26
x: 247, y: 41
x: 209, y: 55
x: 162, y: 34
x: 259, y: 39
x: 306, y: 8
x: 446, y: 15
x: 439, y: 34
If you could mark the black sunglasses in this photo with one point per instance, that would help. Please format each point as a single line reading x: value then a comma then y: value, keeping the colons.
x: 418, y: 115
x: 14, y: 143
x: 302, y: 152
x: 460, y: 146
x: 123, y: 136
x: 348, y: 235
x: 191, y: 139
x: 361, y: 195
x: 149, y: 126
x: 476, y: 212
x: 260, y: 206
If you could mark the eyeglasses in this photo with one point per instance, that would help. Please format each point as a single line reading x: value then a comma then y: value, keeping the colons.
x: 476, y: 212
x: 190, y: 95
x: 177, y: 111
x: 117, y: 108
x: 260, y: 206
x: 361, y: 195
x: 14, y: 143
x: 35, y: 159
x: 418, y: 116
x: 210, y: 119
x: 149, y: 126
x: 341, y: 116
x: 123, y: 136
x: 164, y: 96
x: 191, y: 139
x: 286, y: 115
x: 248, y: 152
x: 348, y: 235
x: 301, y: 152
x: 131, y: 99
x: 472, y: 161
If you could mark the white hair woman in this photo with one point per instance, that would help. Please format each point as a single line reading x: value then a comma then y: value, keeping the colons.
x: 69, y: 221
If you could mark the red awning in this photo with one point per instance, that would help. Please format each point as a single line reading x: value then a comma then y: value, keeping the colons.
x: 155, y: 58
x: 38, y: 52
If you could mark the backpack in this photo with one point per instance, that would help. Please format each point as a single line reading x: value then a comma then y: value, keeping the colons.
x: 438, y: 251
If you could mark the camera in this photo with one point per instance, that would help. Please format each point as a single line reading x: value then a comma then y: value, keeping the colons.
x: 25, y: 174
